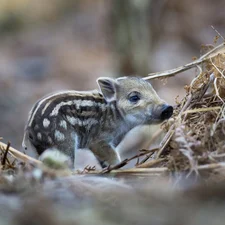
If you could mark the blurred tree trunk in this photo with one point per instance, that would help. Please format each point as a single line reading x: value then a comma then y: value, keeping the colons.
x: 131, y: 36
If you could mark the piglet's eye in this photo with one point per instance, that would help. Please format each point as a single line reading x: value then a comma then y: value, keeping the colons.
x: 134, y: 98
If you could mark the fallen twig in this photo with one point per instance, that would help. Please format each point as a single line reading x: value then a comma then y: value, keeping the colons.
x: 150, y: 163
x: 168, y: 73
x: 125, y: 161
x: 201, y: 110
x: 157, y: 170
x: 133, y: 170
x: 5, y: 154
x: 19, y: 155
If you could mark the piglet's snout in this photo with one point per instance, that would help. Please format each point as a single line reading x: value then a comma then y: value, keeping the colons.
x: 167, y: 112
x: 163, y: 112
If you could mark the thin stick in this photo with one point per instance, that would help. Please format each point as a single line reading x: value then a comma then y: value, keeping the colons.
x: 211, y: 166
x: 133, y: 170
x: 18, y: 154
x: 217, y: 32
x: 217, y: 155
x: 150, y: 163
x: 217, y: 68
x: 166, y: 140
x: 125, y: 161
x: 201, y: 110
x: 160, y: 170
x: 168, y: 73
x: 5, y: 154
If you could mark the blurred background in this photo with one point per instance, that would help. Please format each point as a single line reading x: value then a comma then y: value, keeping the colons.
x: 53, y: 45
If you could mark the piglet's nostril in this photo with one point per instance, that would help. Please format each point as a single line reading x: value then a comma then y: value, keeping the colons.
x: 167, y: 112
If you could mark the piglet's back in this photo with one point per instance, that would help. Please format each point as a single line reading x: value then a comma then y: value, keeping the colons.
x: 53, y: 119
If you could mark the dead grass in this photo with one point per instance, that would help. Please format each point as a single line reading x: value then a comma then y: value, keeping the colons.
x: 195, y: 135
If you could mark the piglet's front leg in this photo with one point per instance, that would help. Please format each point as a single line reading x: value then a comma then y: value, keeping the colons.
x: 105, y: 154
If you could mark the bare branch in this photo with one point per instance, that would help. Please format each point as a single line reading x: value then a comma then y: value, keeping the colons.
x: 168, y: 73
x: 17, y: 154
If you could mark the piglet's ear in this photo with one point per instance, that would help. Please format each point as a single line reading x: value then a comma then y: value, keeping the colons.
x: 108, y: 88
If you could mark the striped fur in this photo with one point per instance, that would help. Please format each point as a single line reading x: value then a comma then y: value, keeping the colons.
x: 54, y: 118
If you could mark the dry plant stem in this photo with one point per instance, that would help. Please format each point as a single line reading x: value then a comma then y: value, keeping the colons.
x: 197, y: 96
x: 117, y: 166
x: 220, y: 72
x: 150, y: 163
x: 168, y: 73
x: 201, y: 110
x: 217, y: 91
x: 125, y: 161
x: 218, y: 32
x: 219, y: 118
x: 134, y: 170
x: 218, y: 155
x: 149, y: 171
x: 212, y: 166
x: 17, y: 154
x: 166, y: 140
x: 4, y: 159
x: 145, y: 159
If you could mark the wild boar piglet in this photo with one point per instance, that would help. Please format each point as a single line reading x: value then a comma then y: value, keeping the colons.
x: 94, y: 120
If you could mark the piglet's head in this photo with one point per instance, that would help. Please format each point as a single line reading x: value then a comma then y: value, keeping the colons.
x: 136, y: 99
